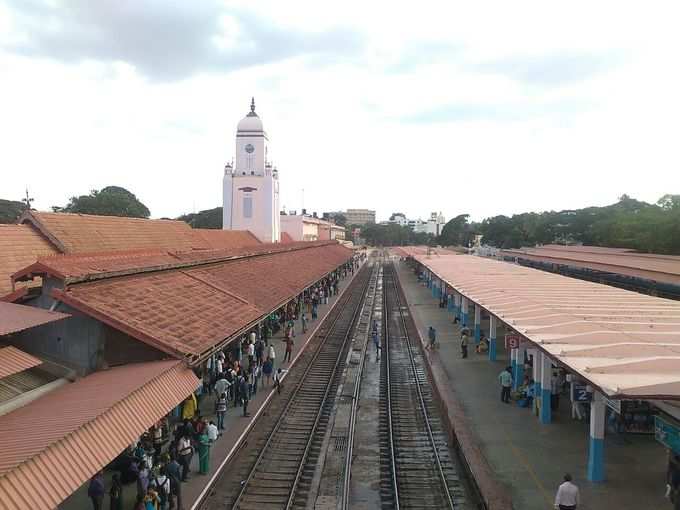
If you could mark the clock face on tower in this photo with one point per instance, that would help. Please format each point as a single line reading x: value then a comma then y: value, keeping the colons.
x: 250, y: 149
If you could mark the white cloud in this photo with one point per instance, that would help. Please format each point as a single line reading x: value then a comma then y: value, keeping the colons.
x: 484, y: 108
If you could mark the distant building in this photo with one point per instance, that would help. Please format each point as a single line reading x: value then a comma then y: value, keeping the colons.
x: 359, y: 216
x: 251, y: 186
x: 301, y: 227
x: 433, y: 226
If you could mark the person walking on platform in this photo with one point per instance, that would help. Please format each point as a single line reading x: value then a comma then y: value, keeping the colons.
x: 116, y: 493
x: 376, y: 342
x: 567, y: 497
x: 95, y: 491
x: 315, y: 311
x: 505, y: 379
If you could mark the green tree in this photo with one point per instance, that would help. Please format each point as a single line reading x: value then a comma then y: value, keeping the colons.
x: 210, y: 218
x: 110, y: 201
x: 10, y: 210
x: 457, y: 231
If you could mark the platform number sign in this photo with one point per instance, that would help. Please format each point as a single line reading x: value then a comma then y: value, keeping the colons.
x: 512, y: 341
x: 580, y: 393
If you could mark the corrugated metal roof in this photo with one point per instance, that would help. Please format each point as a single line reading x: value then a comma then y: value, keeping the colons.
x: 622, y: 342
x: 15, y: 318
x: 13, y: 360
x: 53, y: 445
x: 658, y: 268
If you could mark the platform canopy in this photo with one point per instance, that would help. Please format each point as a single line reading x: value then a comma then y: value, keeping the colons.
x: 646, y: 266
x: 624, y: 343
x: 53, y: 445
x: 15, y: 318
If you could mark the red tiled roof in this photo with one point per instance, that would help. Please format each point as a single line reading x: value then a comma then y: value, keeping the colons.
x: 82, y: 233
x: 118, y: 263
x: 13, y: 360
x: 187, y: 311
x: 225, y: 239
x: 20, y: 245
x: 15, y: 318
x: 53, y: 445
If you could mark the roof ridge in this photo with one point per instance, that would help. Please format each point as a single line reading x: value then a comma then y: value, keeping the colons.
x: 182, y: 264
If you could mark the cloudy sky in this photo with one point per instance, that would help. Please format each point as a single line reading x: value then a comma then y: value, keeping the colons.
x: 478, y: 107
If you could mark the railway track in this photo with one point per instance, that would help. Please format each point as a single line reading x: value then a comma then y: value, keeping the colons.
x: 275, y: 468
x: 417, y: 468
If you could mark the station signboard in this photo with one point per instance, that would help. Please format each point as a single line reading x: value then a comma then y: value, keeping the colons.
x: 667, y: 433
x: 512, y: 341
x: 580, y: 393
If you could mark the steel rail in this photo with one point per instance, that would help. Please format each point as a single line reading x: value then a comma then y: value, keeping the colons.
x: 421, y: 400
x: 388, y: 383
x: 299, y: 385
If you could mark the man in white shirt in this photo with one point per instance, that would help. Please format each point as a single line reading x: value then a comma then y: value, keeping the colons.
x: 567, y: 495
x: 212, y: 432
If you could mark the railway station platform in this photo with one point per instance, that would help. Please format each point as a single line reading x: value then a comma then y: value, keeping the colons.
x: 529, y: 458
x: 236, y: 426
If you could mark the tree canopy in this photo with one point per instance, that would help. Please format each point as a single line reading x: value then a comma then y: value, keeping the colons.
x: 391, y: 235
x: 210, y: 218
x: 109, y: 201
x: 629, y: 223
x: 10, y: 210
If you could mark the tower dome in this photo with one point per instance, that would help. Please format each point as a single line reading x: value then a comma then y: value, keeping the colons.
x: 250, y: 122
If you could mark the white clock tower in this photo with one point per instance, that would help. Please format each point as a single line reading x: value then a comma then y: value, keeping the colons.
x: 251, y: 186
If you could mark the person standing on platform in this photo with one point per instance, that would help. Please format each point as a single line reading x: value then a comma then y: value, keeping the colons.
x: 432, y: 335
x: 315, y: 311
x: 271, y: 354
x: 243, y: 388
x: 203, y: 443
x: 289, y: 349
x: 185, y: 451
x: 221, y: 410
x: 303, y: 319
x: 464, y: 344
x: 267, y: 370
x: 555, y: 388
x: 505, y: 379
x: 95, y: 491
x: 189, y: 407
x: 567, y: 497
x: 116, y: 493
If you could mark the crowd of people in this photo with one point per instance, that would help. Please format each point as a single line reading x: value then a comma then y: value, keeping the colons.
x: 161, y: 461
